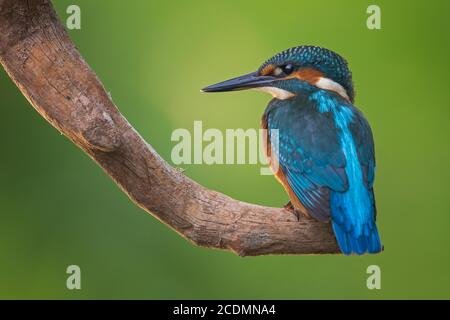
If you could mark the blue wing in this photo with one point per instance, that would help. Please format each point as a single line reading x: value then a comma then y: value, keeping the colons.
x: 326, y: 153
x: 309, y: 154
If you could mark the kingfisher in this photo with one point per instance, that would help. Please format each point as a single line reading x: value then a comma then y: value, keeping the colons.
x: 319, y: 145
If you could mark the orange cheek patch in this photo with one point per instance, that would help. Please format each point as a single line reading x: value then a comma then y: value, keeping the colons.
x: 307, y: 74
x: 267, y: 70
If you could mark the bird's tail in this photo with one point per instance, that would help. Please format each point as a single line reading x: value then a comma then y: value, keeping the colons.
x: 369, y: 241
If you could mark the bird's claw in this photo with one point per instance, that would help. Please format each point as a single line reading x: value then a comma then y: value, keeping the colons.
x: 288, y: 206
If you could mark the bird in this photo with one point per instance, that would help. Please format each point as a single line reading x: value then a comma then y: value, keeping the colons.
x: 319, y: 145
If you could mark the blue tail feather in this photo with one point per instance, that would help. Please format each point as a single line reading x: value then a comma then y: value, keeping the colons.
x: 364, y: 243
x: 374, y: 241
x: 353, y: 220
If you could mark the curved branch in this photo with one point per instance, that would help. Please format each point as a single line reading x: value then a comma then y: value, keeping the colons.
x: 40, y: 58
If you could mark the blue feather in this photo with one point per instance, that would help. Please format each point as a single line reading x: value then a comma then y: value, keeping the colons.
x: 326, y: 153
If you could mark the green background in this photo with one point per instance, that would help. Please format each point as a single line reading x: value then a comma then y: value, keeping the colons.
x: 58, y: 208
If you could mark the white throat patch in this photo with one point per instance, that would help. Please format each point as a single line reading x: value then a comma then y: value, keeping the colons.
x: 328, y: 84
x: 276, y: 92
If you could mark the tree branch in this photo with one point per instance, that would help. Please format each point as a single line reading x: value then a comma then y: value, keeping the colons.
x: 40, y: 58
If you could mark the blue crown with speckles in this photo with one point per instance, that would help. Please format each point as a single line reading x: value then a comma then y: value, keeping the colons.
x: 326, y: 61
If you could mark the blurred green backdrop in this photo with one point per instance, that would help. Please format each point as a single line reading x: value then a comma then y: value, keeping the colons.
x: 58, y: 208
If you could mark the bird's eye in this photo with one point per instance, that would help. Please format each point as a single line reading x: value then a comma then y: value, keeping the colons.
x: 283, y: 70
x: 287, y: 69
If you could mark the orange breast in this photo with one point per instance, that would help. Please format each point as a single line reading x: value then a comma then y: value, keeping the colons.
x: 278, y: 172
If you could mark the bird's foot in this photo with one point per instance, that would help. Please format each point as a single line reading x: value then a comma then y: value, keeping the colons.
x: 289, y: 207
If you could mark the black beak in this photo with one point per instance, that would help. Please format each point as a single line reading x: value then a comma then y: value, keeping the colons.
x: 248, y: 81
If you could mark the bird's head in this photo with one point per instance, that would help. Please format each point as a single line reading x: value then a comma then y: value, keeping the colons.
x: 295, y: 71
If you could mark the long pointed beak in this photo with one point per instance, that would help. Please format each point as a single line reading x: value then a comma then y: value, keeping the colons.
x: 248, y: 81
